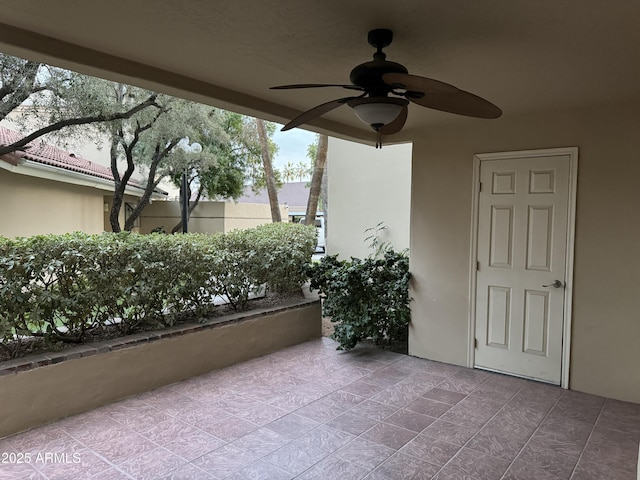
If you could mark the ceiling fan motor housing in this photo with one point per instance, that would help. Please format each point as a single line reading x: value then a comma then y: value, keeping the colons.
x: 369, y: 75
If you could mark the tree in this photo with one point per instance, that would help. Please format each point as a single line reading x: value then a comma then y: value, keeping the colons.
x: 272, y: 189
x: 152, y: 142
x: 47, y: 90
x: 316, y: 179
x: 289, y: 172
x: 302, y: 171
x: 224, y: 178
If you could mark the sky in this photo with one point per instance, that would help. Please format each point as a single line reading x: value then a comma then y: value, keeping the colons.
x: 292, y: 146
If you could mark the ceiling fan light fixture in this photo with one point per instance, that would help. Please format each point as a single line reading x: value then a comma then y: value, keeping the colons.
x: 377, y: 111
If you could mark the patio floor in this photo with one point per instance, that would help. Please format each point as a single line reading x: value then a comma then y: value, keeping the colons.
x: 311, y: 412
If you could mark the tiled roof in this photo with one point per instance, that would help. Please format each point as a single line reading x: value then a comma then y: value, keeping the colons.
x: 50, y: 155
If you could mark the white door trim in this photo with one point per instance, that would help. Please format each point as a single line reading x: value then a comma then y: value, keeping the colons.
x: 572, y: 152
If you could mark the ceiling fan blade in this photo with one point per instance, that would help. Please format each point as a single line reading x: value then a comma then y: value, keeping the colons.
x: 315, y: 112
x: 414, y: 83
x: 460, y: 102
x: 396, y: 125
x: 315, y: 85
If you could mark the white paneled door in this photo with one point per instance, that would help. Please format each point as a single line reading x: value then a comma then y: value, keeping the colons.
x: 523, y: 213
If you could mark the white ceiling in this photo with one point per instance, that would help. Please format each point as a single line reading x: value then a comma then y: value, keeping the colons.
x: 522, y: 55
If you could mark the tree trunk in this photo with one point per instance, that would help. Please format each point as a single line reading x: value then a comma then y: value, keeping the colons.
x: 272, y: 191
x: 316, y: 180
x: 324, y: 195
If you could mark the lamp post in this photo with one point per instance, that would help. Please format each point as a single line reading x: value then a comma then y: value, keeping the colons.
x: 184, y: 192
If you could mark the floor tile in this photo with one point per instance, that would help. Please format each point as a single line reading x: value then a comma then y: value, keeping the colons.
x: 292, y: 426
x: 326, y: 438
x: 413, y: 421
x: 261, y: 470
x: 401, y: 466
x: 261, y: 442
x: 450, y: 432
x: 562, y: 435
x: 225, y: 461
x: 352, y: 422
x: 364, y: 453
x: 429, y: 407
x: 612, y: 448
x: 362, y: 389
x: 541, y: 464
x: 389, y: 435
x: 187, y: 472
x: 121, y: 449
x: 115, y: 474
x: 432, y: 450
x: 194, y: 444
x: 151, y: 465
x: 295, y: 457
x: 596, y: 471
x: 504, y: 445
x: 168, y: 431
x: 473, y: 465
x: 342, y: 399
x: 444, y: 396
x: 334, y: 468
x: 320, y: 411
x: 374, y: 410
x: 230, y: 429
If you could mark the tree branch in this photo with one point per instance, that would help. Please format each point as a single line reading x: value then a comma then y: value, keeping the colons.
x: 151, y: 101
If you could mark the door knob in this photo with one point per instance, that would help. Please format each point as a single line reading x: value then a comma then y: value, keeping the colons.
x: 555, y: 284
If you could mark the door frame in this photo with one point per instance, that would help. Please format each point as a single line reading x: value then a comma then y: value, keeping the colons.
x: 572, y: 153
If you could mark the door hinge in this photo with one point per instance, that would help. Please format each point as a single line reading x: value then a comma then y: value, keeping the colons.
x: 475, y: 343
x: 478, y: 266
x: 480, y: 187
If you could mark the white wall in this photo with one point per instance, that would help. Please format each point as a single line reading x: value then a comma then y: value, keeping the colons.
x: 367, y: 186
x: 605, y: 348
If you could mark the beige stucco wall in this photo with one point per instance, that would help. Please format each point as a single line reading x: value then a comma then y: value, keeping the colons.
x: 605, y: 349
x: 33, y: 206
x: 208, y: 217
x: 47, y: 393
x: 367, y: 186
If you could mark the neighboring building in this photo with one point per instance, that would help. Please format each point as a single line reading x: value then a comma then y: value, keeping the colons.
x: 207, y: 217
x: 293, y: 195
x: 367, y: 186
x: 44, y: 189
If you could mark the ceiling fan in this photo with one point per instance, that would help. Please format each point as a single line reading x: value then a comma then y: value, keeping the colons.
x: 386, y: 90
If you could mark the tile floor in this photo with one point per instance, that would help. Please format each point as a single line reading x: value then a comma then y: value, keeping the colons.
x: 311, y: 412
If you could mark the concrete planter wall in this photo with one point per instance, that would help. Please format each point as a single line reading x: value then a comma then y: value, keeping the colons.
x: 38, y: 390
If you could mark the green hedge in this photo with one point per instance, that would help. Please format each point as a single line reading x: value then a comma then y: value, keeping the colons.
x: 62, y: 286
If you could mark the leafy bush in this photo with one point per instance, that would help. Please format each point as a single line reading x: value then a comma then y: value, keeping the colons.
x: 364, y: 298
x: 61, y: 287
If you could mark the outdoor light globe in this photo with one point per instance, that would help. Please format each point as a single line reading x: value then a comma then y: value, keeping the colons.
x: 377, y: 111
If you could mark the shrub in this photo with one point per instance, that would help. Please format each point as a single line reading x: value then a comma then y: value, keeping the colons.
x: 62, y: 286
x: 365, y: 298
x: 284, y: 250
